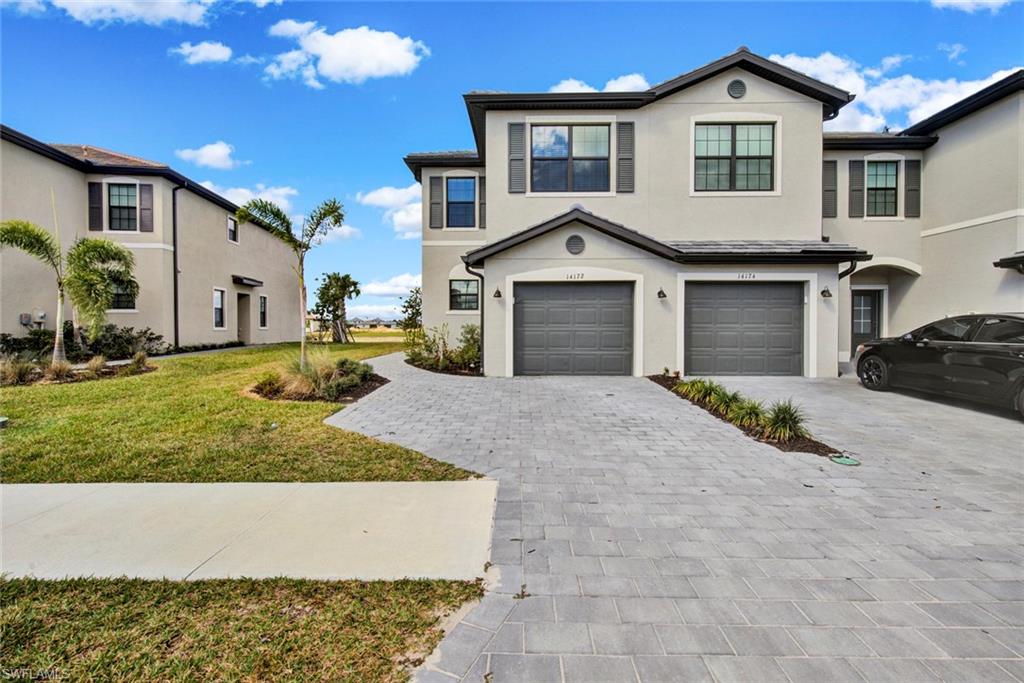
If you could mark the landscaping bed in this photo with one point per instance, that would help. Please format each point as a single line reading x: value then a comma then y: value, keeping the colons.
x: 20, y: 372
x: 191, y: 422
x: 341, y: 381
x: 786, y: 432
x: 226, y: 629
x: 431, y: 350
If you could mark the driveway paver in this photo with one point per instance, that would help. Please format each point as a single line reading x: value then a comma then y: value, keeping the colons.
x: 656, y: 542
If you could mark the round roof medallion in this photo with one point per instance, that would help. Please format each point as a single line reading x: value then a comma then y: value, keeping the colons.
x: 575, y: 245
x: 737, y: 89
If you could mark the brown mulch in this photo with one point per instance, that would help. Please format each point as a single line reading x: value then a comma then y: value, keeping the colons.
x: 453, y: 371
x: 801, y: 444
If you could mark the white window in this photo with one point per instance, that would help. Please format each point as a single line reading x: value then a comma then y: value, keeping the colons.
x: 232, y: 229
x: 218, y: 309
x: 264, y: 313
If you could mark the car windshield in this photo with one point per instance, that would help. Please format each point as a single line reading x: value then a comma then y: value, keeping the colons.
x: 950, y: 329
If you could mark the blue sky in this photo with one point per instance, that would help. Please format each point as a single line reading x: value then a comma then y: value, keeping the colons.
x: 300, y: 101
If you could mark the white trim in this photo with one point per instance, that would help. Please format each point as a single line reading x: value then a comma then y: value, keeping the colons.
x: 115, y: 180
x: 570, y: 118
x: 475, y: 311
x: 981, y: 220
x: 901, y: 190
x: 454, y: 243
x: 144, y: 245
x: 811, y: 295
x: 738, y: 117
x: 460, y: 173
x: 894, y: 262
x: 883, y: 330
x: 213, y: 308
x: 578, y: 274
x: 122, y: 310
x: 267, y: 299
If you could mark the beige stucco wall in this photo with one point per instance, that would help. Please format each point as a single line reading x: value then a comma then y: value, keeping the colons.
x: 206, y: 257
x: 657, y: 321
x: 442, y: 262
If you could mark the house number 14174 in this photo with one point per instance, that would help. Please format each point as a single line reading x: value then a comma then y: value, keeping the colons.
x: 745, y: 276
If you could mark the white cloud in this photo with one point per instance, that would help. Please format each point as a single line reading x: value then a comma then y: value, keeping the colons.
x: 896, y: 101
x: 351, y: 55
x: 24, y: 6
x: 971, y: 6
x: 191, y: 12
x: 204, y: 52
x: 387, y: 311
x: 345, y: 232
x: 886, y: 65
x: 280, y: 195
x: 246, y: 60
x: 399, y: 285
x: 263, y: 3
x: 214, y: 155
x: 403, y: 208
x: 626, y: 83
x: 953, y: 51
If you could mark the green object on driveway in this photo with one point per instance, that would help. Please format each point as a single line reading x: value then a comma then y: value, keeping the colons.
x: 844, y: 460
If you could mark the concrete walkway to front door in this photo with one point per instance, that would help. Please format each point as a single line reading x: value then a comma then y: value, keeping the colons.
x: 373, y: 530
x: 638, y: 538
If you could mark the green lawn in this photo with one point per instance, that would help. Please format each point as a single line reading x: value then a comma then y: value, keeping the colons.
x: 390, y: 334
x: 190, y: 421
x: 240, y: 630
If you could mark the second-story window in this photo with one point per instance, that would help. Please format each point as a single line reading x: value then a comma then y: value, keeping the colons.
x: 122, y: 205
x: 461, y: 202
x: 569, y: 158
x: 734, y: 157
x: 881, y: 188
x: 232, y: 229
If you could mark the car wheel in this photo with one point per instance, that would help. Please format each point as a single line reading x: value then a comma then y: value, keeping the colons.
x: 873, y: 373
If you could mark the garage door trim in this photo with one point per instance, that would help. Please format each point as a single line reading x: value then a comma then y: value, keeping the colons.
x: 580, y: 274
x: 755, y: 276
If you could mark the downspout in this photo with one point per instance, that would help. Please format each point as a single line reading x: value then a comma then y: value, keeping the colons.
x: 479, y: 276
x: 848, y: 271
x: 174, y: 255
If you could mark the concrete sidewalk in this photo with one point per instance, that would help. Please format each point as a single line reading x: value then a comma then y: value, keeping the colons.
x: 372, y: 530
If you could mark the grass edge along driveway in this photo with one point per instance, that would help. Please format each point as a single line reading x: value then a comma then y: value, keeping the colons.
x: 226, y: 629
x: 190, y: 421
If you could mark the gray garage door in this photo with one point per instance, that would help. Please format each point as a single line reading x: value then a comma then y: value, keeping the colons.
x: 744, y: 328
x: 573, y: 328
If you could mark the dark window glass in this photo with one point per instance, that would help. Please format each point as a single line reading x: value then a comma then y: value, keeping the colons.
x: 881, y: 187
x: 218, y: 308
x: 565, y: 158
x: 263, y: 311
x: 461, y: 202
x: 232, y: 229
x: 122, y: 207
x: 122, y: 300
x: 463, y: 295
x: 729, y: 156
x: 950, y: 329
x: 1001, y: 331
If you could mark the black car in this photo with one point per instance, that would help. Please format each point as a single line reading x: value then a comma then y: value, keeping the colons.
x: 976, y: 357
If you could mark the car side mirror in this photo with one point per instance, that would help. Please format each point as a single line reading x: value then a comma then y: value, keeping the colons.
x: 908, y: 338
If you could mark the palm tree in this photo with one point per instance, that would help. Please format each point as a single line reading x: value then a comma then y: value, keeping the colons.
x: 325, y: 217
x: 89, y: 275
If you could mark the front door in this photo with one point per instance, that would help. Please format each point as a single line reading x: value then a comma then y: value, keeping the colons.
x: 244, y: 324
x: 867, y: 316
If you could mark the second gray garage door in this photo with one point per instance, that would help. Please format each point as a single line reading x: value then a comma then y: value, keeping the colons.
x: 573, y: 328
x: 744, y: 328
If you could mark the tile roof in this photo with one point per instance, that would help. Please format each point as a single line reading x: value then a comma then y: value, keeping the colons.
x: 106, y: 157
x: 758, y: 246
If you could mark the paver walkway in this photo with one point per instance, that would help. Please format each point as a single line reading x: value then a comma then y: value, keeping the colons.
x: 657, y: 543
x: 372, y: 530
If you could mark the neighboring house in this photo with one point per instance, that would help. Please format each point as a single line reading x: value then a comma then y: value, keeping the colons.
x: 203, y: 278
x: 708, y: 225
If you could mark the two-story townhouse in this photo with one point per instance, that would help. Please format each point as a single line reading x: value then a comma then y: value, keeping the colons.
x: 203, y: 277
x: 692, y: 226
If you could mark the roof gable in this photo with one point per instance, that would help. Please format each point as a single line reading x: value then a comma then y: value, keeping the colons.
x: 967, y: 106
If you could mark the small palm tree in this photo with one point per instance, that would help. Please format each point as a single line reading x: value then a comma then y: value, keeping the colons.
x: 325, y: 217
x: 89, y: 275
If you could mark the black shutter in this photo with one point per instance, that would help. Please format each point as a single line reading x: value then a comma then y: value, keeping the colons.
x: 436, y: 202
x: 483, y: 202
x: 856, y: 188
x: 96, y: 206
x: 625, y: 172
x: 829, y: 189
x: 517, y: 158
x: 145, y: 208
x: 912, y: 196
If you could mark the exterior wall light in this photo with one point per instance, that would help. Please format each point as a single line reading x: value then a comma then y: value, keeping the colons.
x: 825, y: 293
x: 497, y: 292
x: 661, y: 293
